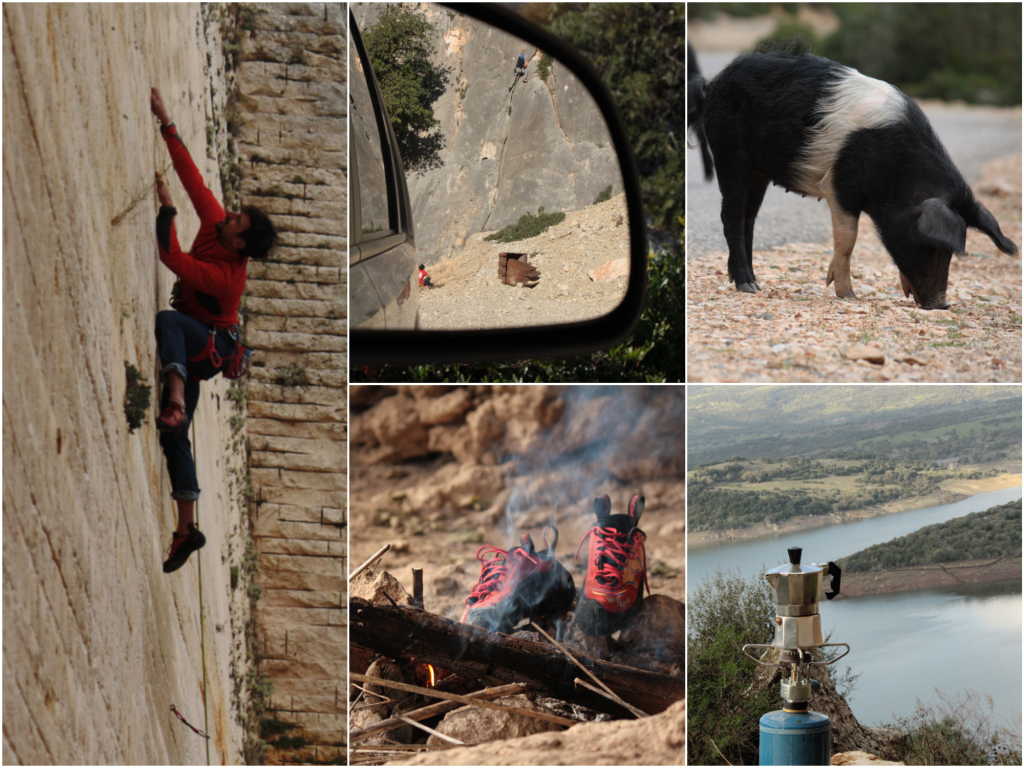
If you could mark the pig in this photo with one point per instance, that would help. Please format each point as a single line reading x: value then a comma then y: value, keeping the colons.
x: 819, y: 128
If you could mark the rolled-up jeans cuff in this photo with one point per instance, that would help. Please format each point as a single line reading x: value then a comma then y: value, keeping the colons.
x: 173, y: 367
x: 185, y: 495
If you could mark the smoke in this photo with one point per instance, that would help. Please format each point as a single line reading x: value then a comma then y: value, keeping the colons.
x: 617, y: 435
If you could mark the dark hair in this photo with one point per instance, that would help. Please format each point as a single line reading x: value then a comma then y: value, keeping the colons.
x: 422, y: 267
x: 261, y: 236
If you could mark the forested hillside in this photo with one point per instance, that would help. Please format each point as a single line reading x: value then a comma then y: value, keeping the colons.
x: 993, y: 533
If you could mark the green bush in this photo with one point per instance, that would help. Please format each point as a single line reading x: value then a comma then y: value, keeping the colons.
x: 136, y: 397
x: 528, y: 226
x: 604, y: 196
x: 934, y: 50
x: 544, y: 68
x: 958, y: 731
x: 723, y: 614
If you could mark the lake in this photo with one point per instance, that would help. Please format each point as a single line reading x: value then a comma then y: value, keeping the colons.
x: 905, y: 644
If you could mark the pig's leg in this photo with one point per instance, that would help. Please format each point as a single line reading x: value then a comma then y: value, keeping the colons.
x: 734, y: 207
x: 844, y: 236
x: 755, y: 196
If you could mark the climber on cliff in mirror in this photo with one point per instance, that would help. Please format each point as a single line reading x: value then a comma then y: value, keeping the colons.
x: 520, y: 69
x: 199, y: 337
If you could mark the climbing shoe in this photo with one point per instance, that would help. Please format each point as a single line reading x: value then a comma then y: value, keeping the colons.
x: 613, y: 591
x: 517, y: 584
x: 183, y: 545
x: 173, y: 418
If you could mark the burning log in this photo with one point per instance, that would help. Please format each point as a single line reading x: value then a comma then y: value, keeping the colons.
x: 496, y: 659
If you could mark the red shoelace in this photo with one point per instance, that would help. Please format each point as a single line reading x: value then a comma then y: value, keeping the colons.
x: 493, y: 571
x: 613, y: 550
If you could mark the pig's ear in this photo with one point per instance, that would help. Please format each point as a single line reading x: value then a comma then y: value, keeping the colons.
x: 940, y: 226
x: 985, y: 222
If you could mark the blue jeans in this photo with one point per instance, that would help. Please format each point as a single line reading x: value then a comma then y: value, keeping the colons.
x: 179, y: 337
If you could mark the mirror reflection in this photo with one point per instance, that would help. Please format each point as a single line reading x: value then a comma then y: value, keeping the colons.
x: 515, y: 193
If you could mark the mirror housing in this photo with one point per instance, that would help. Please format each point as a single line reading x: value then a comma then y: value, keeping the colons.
x: 379, y: 347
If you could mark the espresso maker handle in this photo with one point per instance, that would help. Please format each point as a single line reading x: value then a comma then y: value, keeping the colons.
x: 835, y: 573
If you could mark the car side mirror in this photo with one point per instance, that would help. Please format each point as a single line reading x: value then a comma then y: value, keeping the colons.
x: 428, y: 206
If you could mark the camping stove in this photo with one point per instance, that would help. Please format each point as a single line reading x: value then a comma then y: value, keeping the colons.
x: 795, y: 735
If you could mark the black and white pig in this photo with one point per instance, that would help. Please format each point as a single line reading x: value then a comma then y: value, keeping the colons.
x: 818, y: 128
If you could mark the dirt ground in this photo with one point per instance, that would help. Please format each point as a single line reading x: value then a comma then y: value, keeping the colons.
x: 469, y: 295
x: 796, y: 330
x: 931, y: 576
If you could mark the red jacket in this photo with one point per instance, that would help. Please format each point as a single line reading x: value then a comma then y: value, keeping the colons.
x: 212, y: 277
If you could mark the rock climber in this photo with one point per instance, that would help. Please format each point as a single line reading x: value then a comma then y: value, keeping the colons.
x: 520, y: 69
x: 198, y: 338
x: 424, y: 277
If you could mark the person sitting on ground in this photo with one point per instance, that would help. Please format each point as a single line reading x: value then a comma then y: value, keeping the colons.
x: 424, y: 277
x: 199, y: 337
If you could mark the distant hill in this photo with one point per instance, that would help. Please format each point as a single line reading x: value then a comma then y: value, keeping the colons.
x: 928, y: 422
x: 994, y: 532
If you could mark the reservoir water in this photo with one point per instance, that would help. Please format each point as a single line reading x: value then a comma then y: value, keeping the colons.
x: 908, y: 644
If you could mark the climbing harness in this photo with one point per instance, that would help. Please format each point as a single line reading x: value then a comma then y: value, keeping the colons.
x: 237, y: 363
x: 178, y: 715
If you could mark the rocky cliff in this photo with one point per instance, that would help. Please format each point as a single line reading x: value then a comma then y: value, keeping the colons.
x: 98, y: 642
x: 503, y: 153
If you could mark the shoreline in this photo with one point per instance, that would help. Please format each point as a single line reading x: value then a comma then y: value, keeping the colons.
x: 957, y: 491
x: 914, y: 578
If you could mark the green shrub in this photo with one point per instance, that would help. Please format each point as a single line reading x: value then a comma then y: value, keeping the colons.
x: 723, y: 614
x: 136, y: 397
x: 958, y: 731
x: 544, y: 67
x: 604, y: 196
x: 528, y: 226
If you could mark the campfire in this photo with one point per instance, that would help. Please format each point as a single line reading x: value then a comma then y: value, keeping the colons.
x: 414, y: 674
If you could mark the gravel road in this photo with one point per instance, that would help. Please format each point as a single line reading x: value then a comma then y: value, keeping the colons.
x: 972, y: 135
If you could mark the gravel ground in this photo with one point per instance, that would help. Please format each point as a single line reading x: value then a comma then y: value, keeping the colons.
x: 468, y: 294
x: 797, y: 330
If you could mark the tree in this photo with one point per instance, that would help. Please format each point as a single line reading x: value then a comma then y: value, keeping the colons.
x: 399, y: 49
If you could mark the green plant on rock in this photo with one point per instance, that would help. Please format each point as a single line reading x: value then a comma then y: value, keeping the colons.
x: 291, y: 375
x: 136, y: 396
x: 528, y: 226
x: 544, y: 67
x: 604, y: 196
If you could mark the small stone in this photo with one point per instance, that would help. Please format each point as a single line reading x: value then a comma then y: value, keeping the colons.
x: 767, y: 316
x: 865, y: 352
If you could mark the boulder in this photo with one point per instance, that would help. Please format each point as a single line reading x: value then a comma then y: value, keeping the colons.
x: 475, y: 725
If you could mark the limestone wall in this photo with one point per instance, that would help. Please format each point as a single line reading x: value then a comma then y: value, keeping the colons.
x: 97, y: 642
x: 292, y: 82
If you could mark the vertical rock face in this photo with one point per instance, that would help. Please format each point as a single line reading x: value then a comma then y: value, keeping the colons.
x: 98, y: 642
x: 292, y: 89
x: 504, y: 153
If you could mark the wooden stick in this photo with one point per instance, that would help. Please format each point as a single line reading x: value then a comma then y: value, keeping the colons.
x: 607, y: 691
x: 417, y: 587
x: 431, y: 710
x: 611, y: 697
x: 431, y: 731
x: 434, y: 693
x: 379, y: 553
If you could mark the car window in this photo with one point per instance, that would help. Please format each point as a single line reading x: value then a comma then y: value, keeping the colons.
x: 373, y: 220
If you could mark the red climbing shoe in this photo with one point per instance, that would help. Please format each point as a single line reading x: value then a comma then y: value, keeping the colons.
x: 517, y: 584
x: 173, y: 418
x: 616, y: 570
x: 183, y: 545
